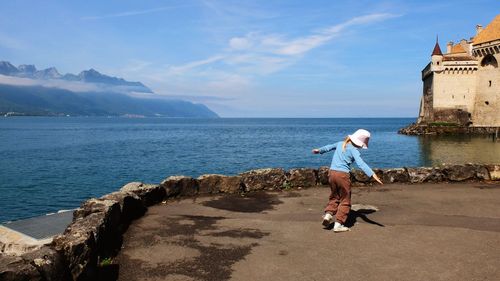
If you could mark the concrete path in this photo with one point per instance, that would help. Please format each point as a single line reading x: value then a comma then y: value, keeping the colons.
x: 420, y: 232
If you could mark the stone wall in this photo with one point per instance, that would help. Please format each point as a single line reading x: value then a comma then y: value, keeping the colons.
x: 95, y: 235
x: 487, y: 101
x: 442, y: 129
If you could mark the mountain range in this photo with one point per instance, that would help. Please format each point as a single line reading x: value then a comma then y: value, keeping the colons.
x: 25, y: 90
x: 88, y: 76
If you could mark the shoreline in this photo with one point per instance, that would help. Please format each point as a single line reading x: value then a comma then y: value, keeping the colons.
x: 415, y: 129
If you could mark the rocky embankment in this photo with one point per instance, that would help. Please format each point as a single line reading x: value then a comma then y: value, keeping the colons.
x: 443, y: 128
x: 85, y: 249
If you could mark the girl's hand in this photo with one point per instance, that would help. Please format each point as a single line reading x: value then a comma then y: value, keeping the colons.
x: 315, y: 151
x: 375, y: 177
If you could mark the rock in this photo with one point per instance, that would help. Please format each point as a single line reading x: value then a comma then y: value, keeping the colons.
x: 263, y: 179
x: 180, y: 186
x: 150, y: 194
x: 49, y: 263
x: 358, y: 176
x: 424, y: 174
x: 231, y: 184
x: 130, y: 204
x: 78, y: 246
x: 323, y: 175
x: 414, y: 129
x: 494, y: 171
x: 300, y: 178
x: 459, y: 172
x: 16, y: 243
x: 93, y: 233
x: 395, y: 175
x: 210, y: 184
x: 94, y: 205
x: 105, y: 223
x: 482, y: 172
x: 15, y: 268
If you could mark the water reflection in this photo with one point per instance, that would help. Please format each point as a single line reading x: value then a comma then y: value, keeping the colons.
x: 459, y: 149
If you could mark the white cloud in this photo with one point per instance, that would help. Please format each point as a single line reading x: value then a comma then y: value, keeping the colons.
x: 61, y: 84
x: 74, y: 86
x: 132, y: 13
x: 256, y: 54
x: 239, y: 43
x: 232, y: 71
x: 280, y: 45
x: 181, y: 69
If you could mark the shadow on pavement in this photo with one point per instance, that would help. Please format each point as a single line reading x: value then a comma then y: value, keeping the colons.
x: 361, y: 213
x: 251, y: 203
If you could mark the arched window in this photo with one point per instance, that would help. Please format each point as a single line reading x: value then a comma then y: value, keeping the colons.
x: 489, y: 61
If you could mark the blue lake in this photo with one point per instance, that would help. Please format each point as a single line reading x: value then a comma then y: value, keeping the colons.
x: 48, y: 164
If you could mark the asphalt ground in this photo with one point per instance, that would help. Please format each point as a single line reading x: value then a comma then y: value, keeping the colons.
x: 398, y: 232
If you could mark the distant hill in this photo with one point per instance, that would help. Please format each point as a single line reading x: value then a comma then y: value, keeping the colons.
x: 37, y: 100
x: 48, y: 93
x: 87, y: 76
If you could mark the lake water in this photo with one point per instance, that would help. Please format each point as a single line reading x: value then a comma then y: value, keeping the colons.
x: 48, y: 164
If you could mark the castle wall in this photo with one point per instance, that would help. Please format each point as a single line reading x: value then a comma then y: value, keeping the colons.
x: 455, y: 89
x: 426, y: 107
x: 487, y: 102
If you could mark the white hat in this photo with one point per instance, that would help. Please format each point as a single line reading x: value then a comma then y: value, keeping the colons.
x: 360, y: 138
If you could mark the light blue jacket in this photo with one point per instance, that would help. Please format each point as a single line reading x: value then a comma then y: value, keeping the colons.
x: 342, y: 160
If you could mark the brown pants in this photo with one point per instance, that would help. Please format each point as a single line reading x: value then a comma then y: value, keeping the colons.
x: 340, y: 197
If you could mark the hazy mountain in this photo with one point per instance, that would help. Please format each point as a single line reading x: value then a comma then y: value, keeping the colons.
x: 6, y: 68
x: 29, y: 91
x: 38, y: 100
x: 86, y: 76
x: 26, y: 70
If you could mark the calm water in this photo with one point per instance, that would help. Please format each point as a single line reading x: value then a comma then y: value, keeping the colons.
x: 49, y: 164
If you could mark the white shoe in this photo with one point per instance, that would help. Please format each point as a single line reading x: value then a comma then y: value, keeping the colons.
x: 340, y: 227
x: 327, y: 219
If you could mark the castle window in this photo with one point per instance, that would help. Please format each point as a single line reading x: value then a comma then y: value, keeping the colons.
x: 489, y: 61
x: 437, y: 63
x: 452, y: 96
x: 487, y: 102
x: 489, y: 83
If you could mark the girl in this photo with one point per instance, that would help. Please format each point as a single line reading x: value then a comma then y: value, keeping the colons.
x: 346, y: 153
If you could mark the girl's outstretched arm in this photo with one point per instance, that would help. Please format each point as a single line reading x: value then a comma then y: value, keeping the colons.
x: 375, y: 177
x: 324, y: 149
x: 363, y: 166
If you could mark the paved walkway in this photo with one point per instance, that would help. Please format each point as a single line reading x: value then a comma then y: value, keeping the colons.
x: 419, y: 232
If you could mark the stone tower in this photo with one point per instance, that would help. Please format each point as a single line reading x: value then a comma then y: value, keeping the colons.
x: 486, y: 49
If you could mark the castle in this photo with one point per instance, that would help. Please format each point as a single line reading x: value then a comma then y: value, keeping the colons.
x: 462, y: 86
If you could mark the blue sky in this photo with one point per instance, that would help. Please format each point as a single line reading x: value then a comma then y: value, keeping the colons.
x: 288, y: 58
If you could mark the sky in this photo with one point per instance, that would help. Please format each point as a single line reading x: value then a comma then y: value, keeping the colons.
x: 269, y: 58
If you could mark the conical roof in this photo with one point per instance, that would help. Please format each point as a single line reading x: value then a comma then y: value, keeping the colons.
x: 437, y: 50
x: 489, y: 33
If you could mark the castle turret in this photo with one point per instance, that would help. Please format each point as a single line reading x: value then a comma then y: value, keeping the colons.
x: 436, y: 58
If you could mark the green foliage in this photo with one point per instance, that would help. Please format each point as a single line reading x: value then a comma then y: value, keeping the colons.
x: 286, y: 186
x: 106, y: 262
